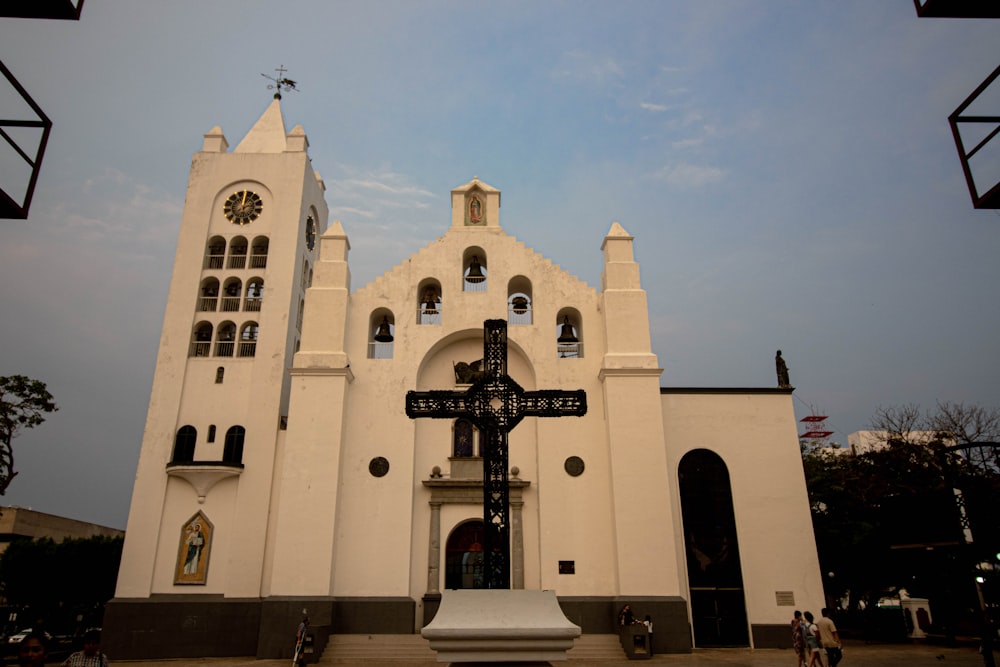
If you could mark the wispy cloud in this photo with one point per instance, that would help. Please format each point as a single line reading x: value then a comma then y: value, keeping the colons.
x: 584, y: 67
x: 649, y: 106
x: 687, y: 143
x: 689, y: 175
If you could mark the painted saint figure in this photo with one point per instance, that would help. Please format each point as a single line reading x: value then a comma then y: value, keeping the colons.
x: 195, y: 543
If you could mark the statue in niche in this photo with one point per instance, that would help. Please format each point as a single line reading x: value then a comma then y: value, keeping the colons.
x: 468, y: 373
x: 475, y: 210
x: 782, y: 369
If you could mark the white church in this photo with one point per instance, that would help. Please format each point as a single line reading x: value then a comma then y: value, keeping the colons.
x: 279, y: 471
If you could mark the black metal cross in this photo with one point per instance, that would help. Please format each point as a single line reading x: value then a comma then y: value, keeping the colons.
x: 495, y: 403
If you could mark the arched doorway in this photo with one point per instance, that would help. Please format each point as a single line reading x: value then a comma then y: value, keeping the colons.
x: 463, y: 559
x: 715, y: 578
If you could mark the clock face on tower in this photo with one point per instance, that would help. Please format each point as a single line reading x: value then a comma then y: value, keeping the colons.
x: 242, y: 207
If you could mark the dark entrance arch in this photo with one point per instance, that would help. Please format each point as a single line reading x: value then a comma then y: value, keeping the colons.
x: 715, y: 578
x: 463, y: 558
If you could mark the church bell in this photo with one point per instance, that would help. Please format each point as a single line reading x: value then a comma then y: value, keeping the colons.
x: 520, y: 304
x: 430, y: 303
x: 383, y: 335
x: 475, y: 271
x: 566, y: 335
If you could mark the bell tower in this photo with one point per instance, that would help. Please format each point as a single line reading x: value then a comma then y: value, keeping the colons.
x: 198, y: 523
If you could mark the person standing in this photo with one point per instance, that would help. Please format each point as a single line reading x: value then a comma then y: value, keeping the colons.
x: 811, y: 633
x: 91, y: 655
x: 829, y: 638
x: 798, y: 638
x: 625, y: 617
x: 31, y: 651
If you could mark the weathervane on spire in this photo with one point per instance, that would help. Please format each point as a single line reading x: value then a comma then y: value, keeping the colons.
x: 280, y: 83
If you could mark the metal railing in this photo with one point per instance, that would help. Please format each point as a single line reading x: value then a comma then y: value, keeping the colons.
x: 208, y: 303
x: 429, y: 316
x: 569, y: 350
x: 378, y: 350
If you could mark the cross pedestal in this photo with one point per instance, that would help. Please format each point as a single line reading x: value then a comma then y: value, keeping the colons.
x: 500, y: 626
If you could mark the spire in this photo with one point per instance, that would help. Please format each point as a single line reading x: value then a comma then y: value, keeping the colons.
x: 268, y: 133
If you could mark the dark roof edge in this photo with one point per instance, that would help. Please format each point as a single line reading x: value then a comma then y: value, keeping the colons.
x: 727, y: 390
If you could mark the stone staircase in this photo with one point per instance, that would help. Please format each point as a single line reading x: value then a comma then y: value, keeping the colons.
x: 414, y: 650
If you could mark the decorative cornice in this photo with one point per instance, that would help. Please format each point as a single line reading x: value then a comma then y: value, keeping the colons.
x: 629, y: 372
x: 332, y: 372
x: 203, y: 475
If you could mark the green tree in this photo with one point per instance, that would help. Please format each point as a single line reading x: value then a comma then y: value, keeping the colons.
x: 886, y: 518
x: 58, y: 581
x: 23, y: 405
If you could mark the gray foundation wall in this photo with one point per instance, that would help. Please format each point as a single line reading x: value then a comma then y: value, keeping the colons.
x: 193, y: 626
x: 771, y: 636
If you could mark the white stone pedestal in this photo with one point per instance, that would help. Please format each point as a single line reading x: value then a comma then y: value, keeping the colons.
x: 500, y: 626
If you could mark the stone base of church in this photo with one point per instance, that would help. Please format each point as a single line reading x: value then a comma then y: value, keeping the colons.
x: 771, y: 636
x: 181, y: 626
x: 189, y: 626
x: 599, y: 615
x: 192, y: 626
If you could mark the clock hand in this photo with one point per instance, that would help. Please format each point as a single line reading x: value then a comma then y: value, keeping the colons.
x: 244, y: 202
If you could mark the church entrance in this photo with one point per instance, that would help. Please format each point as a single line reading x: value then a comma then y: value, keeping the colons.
x: 715, y: 578
x: 463, y: 560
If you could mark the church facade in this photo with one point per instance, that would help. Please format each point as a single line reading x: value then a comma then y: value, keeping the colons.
x: 279, y: 473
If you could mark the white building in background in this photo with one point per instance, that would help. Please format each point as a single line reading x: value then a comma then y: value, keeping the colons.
x: 279, y: 471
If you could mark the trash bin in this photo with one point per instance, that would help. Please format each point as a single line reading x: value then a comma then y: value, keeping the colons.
x: 635, y: 641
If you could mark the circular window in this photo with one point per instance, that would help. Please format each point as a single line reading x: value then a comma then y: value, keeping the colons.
x: 378, y: 466
x: 574, y: 466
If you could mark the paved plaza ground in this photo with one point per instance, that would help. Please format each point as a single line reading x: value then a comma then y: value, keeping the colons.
x: 856, y: 654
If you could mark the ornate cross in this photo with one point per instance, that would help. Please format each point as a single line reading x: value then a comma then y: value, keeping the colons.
x: 495, y: 403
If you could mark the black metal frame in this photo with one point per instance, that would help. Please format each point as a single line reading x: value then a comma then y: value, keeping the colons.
x: 956, y: 9
x: 495, y: 403
x: 9, y: 207
x: 991, y: 198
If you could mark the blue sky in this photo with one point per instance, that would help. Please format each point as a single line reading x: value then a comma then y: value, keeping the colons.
x: 786, y: 169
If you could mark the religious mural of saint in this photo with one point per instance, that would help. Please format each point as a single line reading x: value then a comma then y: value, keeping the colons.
x: 193, y: 551
x: 475, y: 210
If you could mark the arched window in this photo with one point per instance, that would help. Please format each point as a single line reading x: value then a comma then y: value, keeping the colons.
x: 231, y: 291
x: 237, y: 253
x: 248, y: 339
x: 201, y: 340
x: 429, y: 305
x: 254, y: 295
x: 299, y: 315
x: 463, y: 559
x: 310, y: 232
x: 464, y: 439
x: 232, y: 450
x: 211, y: 434
x: 215, y: 252
x: 258, y: 253
x: 569, y: 334
x: 718, y: 607
x: 382, y: 327
x: 209, y: 298
x: 225, y: 340
x: 519, y: 300
x: 474, y: 270
x: 184, y: 443
x: 220, y: 373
